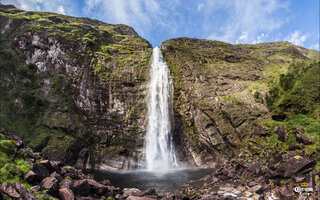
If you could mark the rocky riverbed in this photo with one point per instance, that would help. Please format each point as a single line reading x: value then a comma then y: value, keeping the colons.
x: 234, y: 179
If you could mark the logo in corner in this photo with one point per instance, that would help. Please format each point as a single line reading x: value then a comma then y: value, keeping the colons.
x: 303, y: 189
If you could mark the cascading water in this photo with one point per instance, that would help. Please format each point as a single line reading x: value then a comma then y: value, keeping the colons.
x: 159, y: 150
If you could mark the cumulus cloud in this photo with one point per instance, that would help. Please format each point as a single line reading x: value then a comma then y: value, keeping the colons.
x: 43, y: 5
x: 297, y: 38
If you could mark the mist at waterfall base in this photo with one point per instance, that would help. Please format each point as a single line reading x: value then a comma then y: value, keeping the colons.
x: 161, y: 169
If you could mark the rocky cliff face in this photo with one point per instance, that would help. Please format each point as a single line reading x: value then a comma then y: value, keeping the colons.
x: 75, y: 88
x: 222, y: 98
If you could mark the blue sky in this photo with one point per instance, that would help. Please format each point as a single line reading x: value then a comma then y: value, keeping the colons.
x: 233, y: 21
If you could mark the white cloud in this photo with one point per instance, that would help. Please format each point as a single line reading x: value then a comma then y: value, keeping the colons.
x: 246, y: 16
x: 315, y: 46
x: 61, y: 10
x: 200, y: 6
x: 297, y: 38
x: 143, y: 15
x: 43, y: 5
x: 260, y: 38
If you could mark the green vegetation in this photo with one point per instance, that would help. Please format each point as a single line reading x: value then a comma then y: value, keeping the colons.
x: 12, y: 162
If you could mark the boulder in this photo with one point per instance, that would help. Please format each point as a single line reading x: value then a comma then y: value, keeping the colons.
x: 105, y: 182
x: 150, y: 191
x: 24, y: 192
x: 282, y: 135
x: 41, y: 171
x: 66, y: 194
x: 66, y: 183
x: 56, y: 175
x: 131, y: 192
x: 51, y: 184
x: 292, y: 164
x: 9, y: 190
x: 85, y: 186
x: 48, y: 165
x: 31, y: 177
x: 81, y: 187
x: 96, y: 187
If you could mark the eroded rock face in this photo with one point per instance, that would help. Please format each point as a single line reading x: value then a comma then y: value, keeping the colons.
x: 218, y: 102
x: 88, y: 82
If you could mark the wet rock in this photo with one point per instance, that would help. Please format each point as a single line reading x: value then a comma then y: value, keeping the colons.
x: 9, y: 190
x: 31, y: 177
x: 132, y: 192
x: 41, y: 171
x: 24, y: 192
x: 66, y: 194
x: 51, y: 184
x: 282, y: 135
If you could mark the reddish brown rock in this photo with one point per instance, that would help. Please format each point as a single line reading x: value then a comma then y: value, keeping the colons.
x: 31, y: 177
x: 282, y: 135
x: 9, y: 190
x: 51, y: 184
x: 41, y: 171
x: 66, y: 194
x: 132, y: 192
x: 24, y: 192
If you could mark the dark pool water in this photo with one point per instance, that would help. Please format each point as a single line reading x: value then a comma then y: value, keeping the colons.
x: 143, y: 180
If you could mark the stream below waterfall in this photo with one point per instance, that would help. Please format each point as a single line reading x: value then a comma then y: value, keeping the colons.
x: 143, y: 179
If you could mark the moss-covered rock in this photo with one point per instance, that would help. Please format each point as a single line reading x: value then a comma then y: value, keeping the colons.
x: 69, y: 83
x: 224, y: 93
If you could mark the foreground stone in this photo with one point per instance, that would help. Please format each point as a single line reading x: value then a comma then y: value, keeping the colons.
x: 9, y: 190
x: 66, y: 194
x: 24, y: 192
x: 51, y: 184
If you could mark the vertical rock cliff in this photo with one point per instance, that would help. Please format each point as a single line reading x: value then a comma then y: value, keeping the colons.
x: 75, y: 88
x: 224, y: 93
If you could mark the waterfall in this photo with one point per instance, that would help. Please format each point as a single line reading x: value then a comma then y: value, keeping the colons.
x: 159, y: 147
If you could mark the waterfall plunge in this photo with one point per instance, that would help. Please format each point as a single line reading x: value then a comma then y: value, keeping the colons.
x: 159, y: 148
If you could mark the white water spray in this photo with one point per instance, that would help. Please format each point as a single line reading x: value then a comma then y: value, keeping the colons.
x: 159, y: 148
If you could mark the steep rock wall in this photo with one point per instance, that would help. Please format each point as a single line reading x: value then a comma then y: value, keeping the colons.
x: 221, y: 91
x: 74, y: 87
